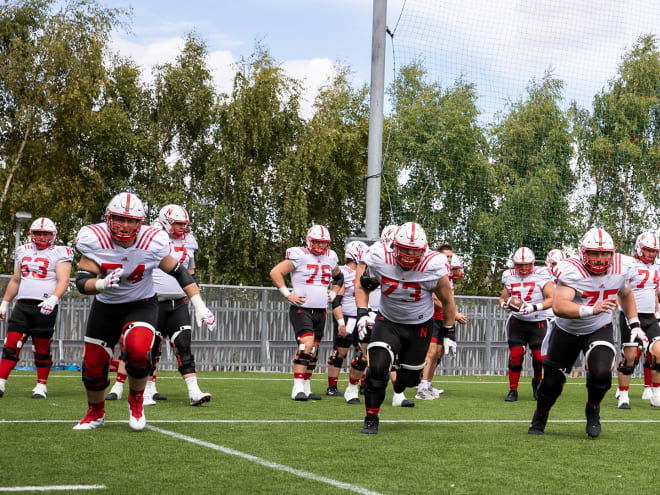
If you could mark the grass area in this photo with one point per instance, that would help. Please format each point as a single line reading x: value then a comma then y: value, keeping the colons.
x: 468, y: 441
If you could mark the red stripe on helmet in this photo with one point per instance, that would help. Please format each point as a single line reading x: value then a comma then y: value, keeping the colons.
x: 412, y: 233
x: 600, y: 238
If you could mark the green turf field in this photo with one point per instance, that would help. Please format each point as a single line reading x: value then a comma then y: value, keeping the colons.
x: 252, y: 438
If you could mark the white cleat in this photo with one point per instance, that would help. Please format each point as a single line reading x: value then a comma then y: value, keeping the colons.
x: 115, y: 392
x: 655, y: 397
x: 425, y: 394
x: 3, y: 383
x: 617, y: 393
x: 624, y: 401
x: 352, y: 394
x: 197, y: 399
x: 399, y: 400
x: 136, y: 419
x: 437, y: 391
x: 39, y: 392
x: 93, y: 419
x: 148, y: 400
x: 648, y: 393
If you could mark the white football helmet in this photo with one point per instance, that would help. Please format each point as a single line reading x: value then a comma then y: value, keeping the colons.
x: 124, y: 205
x: 318, y: 239
x: 456, y: 266
x: 410, y: 245
x: 523, y: 261
x: 554, y: 256
x: 647, y: 241
x: 175, y: 220
x: 387, y: 235
x: 354, y: 251
x: 596, y: 240
x: 43, y: 232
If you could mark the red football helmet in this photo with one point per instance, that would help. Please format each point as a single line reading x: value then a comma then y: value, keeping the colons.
x: 318, y: 239
x: 43, y: 233
x: 647, y: 242
x: 124, y: 206
x: 175, y: 220
x: 596, y: 250
x: 410, y: 244
x: 523, y: 261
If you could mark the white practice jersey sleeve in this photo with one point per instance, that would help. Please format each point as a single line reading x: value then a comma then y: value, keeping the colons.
x: 312, y: 275
x: 348, y: 306
x: 38, y: 276
x: 589, y: 290
x: 406, y: 295
x: 644, y: 283
x: 182, y: 250
x: 374, y: 299
x: 528, y: 288
x: 138, y: 261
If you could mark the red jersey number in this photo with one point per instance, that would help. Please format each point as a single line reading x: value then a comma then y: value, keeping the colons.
x: 135, y: 276
x: 40, y: 271
x: 527, y: 287
x: 324, y: 271
x: 414, y: 290
x: 596, y: 295
x: 646, y: 274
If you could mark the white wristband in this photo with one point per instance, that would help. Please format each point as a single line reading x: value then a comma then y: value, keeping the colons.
x: 538, y: 306
x: 197, y: 303
x: 586, y: 311
x: 633, y: 320
x: 284, y: 291
x: 341, y: 322
x: 657, y: 315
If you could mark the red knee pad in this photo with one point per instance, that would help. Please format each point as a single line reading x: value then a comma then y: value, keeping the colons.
x: 517, y: 354
x: 138, y: 342
x: 13, y: 345
x: 96, y: 364
x: 42, y: 353
x: 536, y: 355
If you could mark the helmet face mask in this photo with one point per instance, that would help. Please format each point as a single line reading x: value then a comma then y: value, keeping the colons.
x: 410, y: 245
x: 596, y: 251
x: 175, y: 221
x: 124, y: 216
x: 43, y: 233
x: 318, y: 239
x: 523, y: 261
x: 646, y: 248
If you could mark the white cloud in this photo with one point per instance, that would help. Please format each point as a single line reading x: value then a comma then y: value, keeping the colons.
x: 313, y: 74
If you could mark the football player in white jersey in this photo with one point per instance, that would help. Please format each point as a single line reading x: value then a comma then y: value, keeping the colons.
x: 527, y: 325
x: 312, y: 269
x: 117, y: 264
x: 408, y: 273
x: 437, y: 348
x: 344, y: 312
x: 40, y: 279
x: 583, y: 301
x: 634, y: 342
x: 173, y: 314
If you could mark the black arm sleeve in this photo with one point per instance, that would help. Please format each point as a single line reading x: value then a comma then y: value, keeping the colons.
x: 81, y: 278
x: 367, y: 283
x: 338, y: 279
x: 181, y: 275
x: 337, y: 302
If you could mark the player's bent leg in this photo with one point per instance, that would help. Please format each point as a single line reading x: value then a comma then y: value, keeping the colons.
x: 358, y: 366
x: 599, y: 360
x: 10, y: 356
x: 377, y: 377
x: 138, y: 343
x: 537, y: 365
x: 182, y: 345
x: 95, y: 367
x: 407, y: 376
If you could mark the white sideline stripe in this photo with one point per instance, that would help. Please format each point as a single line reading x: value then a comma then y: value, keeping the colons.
x: 280, y: 467
x: 333, y: 421
x: 50, y: 488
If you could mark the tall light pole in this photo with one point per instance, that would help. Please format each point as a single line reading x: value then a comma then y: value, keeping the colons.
x: 20, y: 217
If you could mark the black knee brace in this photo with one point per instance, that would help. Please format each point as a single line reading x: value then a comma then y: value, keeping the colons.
x: 515, y: 367
x: 358, y: 362
x: 599, y: 373
x: 550, y: 387
x: 653, y: 364
x: 10, y: 354
x: 311, y: 364
x: 139, y: 371
x: 335, y: 360
x: 184, y: 356
x: 302, y: 358
x: 626, y: 369
x: 44, y: 360
x: 406, y: 378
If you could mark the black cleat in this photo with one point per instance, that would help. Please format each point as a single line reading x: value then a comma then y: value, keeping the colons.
x: 537, y: 426
x: 300, y: 396
x: 313, y: 396
x: 593, y: 420
x: 370, y: 426
x: 512, y: 396
x: 158, y: 396
x: 407, y: 403
x: 111, y: 396
x: 354, y: 401
x: 535, y: 388
x: 332, y: 391
x: 2, y: 393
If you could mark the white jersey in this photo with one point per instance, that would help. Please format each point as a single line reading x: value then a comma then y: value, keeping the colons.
x: 348, y: 306
x: 183, y: 250
x: 312, y: 275
x: 406, y: 295
x: 138, y: 261
x: 38, y: 277
x: 528, y: 288
x: 644, y: 283
x: 374, y: 299
x: 589, y: 290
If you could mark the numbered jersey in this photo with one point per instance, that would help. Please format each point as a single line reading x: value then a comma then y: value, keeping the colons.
x: 183, y: 251
x: 38, y: 277
x: 348, y: 306
x: 406, y: 295
x: 138, y: 260
x: 644, y: 283
x: 589, y: 290
x: 312, y: 275
x: 529, y: 289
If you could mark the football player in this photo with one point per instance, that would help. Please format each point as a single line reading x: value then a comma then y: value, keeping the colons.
x: 634, y: 342
x: 532, y: 288
x: 583, y: 301
x: 408, y: 273
x: 118, y: 260
x: 39, y: 281
x: 311, y: 269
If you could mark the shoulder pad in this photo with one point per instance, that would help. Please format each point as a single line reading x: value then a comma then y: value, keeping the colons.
x: 295, y: 253
x: 191, y: 242
x: 93, y: 237
x: 378, y: 254
x: 571, y: 270
x: 334, y: 259
x: 153, y: 239
x: 64, y: 253
x: 433, y: 262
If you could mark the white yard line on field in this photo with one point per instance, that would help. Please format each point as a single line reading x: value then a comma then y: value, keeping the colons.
x: 279, y: 467
x: 51, y: 488
x: 334, y: 421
